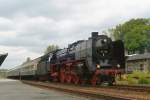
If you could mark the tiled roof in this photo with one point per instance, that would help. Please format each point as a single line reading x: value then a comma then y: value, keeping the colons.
x: 139, y: 56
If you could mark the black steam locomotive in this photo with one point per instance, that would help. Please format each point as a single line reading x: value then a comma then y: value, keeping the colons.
x: 92, y: 61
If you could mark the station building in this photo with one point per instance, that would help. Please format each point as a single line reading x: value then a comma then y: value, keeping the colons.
x: 140, y: 62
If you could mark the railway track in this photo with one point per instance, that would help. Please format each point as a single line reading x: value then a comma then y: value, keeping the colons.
x: 106, y: 93
x: 129, y: 87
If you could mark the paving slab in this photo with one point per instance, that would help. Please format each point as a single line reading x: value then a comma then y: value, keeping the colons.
x: 15, y: 90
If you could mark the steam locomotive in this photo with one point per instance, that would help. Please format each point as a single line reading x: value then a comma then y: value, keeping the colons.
x: 92, y: 61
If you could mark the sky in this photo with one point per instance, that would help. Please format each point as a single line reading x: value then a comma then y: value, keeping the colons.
x: 27, y: 27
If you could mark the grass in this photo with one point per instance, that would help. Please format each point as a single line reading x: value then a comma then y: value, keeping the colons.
x: 137, y: 77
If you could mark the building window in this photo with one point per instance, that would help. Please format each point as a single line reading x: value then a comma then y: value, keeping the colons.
x: 141, y: 67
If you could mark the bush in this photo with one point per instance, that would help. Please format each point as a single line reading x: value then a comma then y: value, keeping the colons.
x: 143, y: 81
x: 132, y: 81
x: 137, y: 77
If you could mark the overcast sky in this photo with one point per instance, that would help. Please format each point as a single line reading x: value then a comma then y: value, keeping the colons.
x: 27, y: 27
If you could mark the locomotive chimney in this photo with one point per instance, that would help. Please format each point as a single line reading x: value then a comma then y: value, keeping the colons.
x: 94, y: 34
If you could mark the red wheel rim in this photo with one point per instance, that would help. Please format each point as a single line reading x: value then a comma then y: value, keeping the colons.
x: 76, y: 79
x: 62, y: 77
x: 68, y: 78
x: 94, y: 80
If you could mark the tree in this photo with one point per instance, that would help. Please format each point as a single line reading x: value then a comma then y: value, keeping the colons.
x: 135, y: 33
x: 120, y: 30
x: 51, y: 48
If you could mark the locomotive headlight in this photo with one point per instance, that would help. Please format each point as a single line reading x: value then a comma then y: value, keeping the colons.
x: 105, y: 40
x: 118, y: 65
x: 98, y: 66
